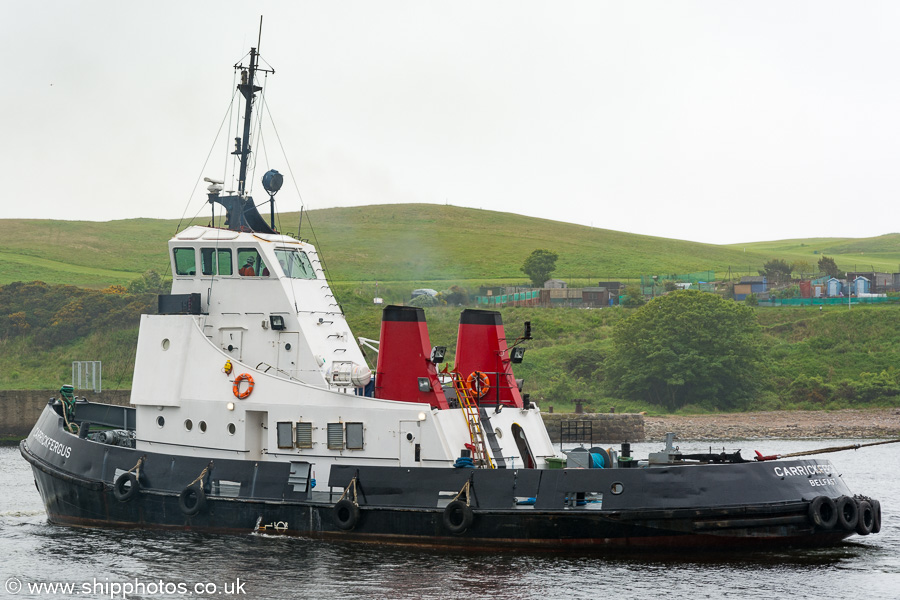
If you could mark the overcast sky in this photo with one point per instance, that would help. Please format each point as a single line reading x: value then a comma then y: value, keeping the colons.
x: 712, y: 121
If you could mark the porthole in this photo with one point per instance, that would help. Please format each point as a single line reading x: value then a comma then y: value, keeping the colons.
x: 498, y: 432
x: 165, y: 344
x: 160, y: 421
x: 202, y: 426
x: 188, y: 424
x: 231, y: 428
x: 617, y: 488
x: 287, y: 346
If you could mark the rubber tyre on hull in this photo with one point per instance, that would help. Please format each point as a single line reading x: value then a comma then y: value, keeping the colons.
x: 847, y: 513
x: 866, y: 518
x: 192, y: 500
x: 126, y: 487
x: 346, y: 515
x: 458, y: 517
x: 876, y: 516
x: 823, y: 512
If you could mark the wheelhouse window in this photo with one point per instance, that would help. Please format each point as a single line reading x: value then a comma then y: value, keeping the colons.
x: 295, y: 264
x: 185, y: 261
x: 215, y: 261
x: 251, y: 264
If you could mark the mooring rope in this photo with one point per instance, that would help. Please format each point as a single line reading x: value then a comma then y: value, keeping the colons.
x: 202, y: 474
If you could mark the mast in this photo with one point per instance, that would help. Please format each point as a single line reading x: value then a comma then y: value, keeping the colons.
x: 241, y: 213
x: 248, y: 90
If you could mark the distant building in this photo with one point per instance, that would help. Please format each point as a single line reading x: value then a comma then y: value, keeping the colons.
x: 878, y: 282
x: 751, y: 284
x: 555, y: 284
x: 596, y: 297
x: 834, y: 288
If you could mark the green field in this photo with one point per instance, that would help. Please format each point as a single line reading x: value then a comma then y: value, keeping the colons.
x: 418, y: 243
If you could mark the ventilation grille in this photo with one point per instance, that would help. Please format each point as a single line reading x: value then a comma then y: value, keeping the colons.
x: 304, y: 435
x: 335, y: 436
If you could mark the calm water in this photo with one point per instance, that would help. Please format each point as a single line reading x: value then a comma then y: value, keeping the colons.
x: 33, y: 551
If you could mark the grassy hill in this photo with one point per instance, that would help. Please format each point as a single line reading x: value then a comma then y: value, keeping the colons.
x: 881, y: 253
x: 816, y: 359
x: 416, y: 243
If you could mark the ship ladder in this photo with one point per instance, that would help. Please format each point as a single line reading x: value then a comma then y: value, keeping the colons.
x: 473, y: 421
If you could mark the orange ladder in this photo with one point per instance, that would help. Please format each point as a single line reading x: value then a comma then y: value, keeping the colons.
x: 473, y: 420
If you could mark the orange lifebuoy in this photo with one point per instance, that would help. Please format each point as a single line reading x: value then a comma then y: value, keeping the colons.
x: 479, y: 383
x: 237, y: 386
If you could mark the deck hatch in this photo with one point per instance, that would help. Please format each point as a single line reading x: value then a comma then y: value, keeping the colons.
x: 354, y: 436
x: 285, y: 434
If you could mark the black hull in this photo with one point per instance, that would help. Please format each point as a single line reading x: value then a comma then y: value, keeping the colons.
x: 669, y: 509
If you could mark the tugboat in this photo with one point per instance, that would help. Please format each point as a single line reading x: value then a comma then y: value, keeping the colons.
x: 253, y: 410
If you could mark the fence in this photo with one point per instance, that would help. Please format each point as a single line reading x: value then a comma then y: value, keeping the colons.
x: 530, y: 298
x: 825, y: 301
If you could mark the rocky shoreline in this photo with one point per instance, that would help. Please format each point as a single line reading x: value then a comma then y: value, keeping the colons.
x: 843, y: 424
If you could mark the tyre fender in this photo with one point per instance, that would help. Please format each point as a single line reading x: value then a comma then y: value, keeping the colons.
x: 192, y: 500
x: 847, y: 513
x: 126, y: 487
x: 458, y: 517
x: 822, y: 512
x: 866, y: 518
x: 346, y: 515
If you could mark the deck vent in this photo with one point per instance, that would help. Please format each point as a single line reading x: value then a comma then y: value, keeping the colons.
x: 304, y: 435
x: 335, y: 436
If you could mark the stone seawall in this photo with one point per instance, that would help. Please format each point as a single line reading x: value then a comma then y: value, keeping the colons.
x: 604, y: 428
x: 19, y: 409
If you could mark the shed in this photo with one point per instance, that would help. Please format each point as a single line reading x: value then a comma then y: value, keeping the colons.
x: 834, y: 287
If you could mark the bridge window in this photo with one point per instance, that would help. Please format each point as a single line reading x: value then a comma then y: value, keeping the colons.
x: 250, y: 263
x: 185, y: 261
x: 295, y: 264
x: 215, y: 261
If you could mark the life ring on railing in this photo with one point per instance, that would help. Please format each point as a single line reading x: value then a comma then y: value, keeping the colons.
x: 479, y: 383
x: 823, y: 512
x: 346, y: 514
x: 458, y: 517
x: 237, y: 386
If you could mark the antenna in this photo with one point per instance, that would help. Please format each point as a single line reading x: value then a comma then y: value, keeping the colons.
x: 259, y: 40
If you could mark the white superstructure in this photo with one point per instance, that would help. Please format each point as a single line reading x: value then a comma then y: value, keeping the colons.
x: 266, y: 310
